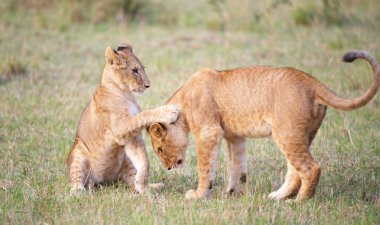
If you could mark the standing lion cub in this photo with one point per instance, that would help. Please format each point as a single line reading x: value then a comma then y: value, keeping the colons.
x: 257, y: 101
x: 108, y: 146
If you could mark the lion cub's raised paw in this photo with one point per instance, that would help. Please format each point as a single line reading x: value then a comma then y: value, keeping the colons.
x: 168, y: 114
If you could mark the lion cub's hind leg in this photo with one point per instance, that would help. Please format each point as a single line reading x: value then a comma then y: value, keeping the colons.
x: 296, y: 150
x: 294, y: 137
x: 79, y: 170
x: 128, y: 172
x: 237, y: 165
x: 309, y: 171
x: 290, y: 187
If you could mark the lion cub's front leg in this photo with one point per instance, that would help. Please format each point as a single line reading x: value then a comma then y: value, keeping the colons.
x: 123, y: 126
x: 237, y: 166
x: 135, y: 150
x: 208, y: 145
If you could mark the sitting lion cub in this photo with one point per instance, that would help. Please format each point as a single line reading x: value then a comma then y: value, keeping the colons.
x: 257, y: 101
x: 108, y: 146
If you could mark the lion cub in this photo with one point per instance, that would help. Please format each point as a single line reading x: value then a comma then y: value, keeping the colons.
x: 253, y: 102
x: 109, y: 146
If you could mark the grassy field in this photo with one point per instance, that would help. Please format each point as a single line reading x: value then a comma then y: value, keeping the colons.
x: 48, y: 73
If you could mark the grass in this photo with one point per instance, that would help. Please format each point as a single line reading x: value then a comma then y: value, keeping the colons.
x: 39, y: 112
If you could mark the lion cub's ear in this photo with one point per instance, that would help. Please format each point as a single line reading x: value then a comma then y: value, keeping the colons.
x: 112, y: 57
x: 157, y: 130
x: 125, y: 48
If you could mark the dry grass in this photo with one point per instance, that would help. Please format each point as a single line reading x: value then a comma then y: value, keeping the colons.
x: 39, y: 112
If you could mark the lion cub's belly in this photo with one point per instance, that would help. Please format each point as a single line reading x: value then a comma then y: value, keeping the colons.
x: 247, y: 127
x: 106, y: 166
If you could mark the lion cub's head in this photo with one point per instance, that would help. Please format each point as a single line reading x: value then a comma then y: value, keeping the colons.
x: 125, y: 69
x: 169, y: 143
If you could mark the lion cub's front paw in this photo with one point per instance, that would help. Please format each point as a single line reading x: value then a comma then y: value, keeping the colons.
x: 140, y: 188
x: 77, y: 191
x: 235, y: 191
x: 156, y: 186
x: 193, y: 194
x: 168, y: 113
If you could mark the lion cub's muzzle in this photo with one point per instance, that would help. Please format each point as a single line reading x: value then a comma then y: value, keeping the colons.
x: 178, y: 165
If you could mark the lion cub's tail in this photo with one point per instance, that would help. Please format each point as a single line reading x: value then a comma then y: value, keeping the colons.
x: 327, y: 97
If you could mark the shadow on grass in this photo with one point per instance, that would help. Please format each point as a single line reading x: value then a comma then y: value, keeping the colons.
x: 357, y: 185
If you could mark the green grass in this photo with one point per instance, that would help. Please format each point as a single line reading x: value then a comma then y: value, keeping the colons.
x: 39, y: 112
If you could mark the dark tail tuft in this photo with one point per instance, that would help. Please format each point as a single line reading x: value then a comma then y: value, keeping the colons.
x: 327, y: 97
x: 350, y: 56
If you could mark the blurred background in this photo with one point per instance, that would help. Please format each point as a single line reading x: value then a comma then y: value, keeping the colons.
x: 23, y: 20
x: 218, y: 15
x: 333, y: 24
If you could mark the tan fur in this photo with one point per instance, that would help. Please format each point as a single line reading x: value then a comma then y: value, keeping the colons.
x: 284, y: 103
x: 108, y: 146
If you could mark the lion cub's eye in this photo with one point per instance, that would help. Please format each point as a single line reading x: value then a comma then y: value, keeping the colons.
x: 159, y: 150
x: 135, y: 71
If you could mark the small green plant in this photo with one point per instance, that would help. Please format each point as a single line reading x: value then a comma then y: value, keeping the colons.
x: 220, y: 10
x: 303, y: 15
x: 332, y: 13
x: 336, y: 44
x: 12, y: 67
